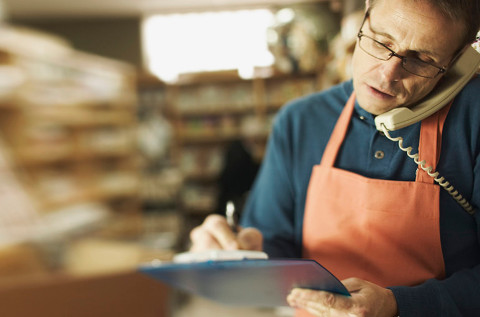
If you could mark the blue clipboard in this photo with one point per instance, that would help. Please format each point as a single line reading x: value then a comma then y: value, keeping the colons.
x: 248, y: 282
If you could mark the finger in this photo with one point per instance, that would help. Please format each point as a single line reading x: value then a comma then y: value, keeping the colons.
x: 219, y: 229
x: 250, y: 239
x: 202, y: 240
x: 299, y: 300
x: 354, y: 284
x: 319, y: 300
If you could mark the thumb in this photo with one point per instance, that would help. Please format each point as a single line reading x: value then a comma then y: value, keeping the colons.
x: 250, y: 239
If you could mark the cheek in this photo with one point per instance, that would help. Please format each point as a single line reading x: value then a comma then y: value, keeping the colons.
x: 358, y: 68
x: 419, y: 89
x: 363, y: 65
x: 356, y: 63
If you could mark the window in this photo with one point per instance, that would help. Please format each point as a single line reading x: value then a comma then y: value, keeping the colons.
x: 211, y: 41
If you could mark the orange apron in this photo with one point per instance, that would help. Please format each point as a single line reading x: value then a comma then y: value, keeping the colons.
x: 386, y: 232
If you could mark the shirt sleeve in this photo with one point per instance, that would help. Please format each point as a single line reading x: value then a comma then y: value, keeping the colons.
x: 270, y: 206
x: 458, y: 295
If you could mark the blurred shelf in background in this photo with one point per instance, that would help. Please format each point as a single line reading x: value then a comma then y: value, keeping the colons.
x: 71, y: 183
x: 206, y: 112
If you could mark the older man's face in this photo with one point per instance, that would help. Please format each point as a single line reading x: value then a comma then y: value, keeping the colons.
x: 412, y: 29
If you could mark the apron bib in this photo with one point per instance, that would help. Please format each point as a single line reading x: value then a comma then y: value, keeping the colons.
x: 383, y: 231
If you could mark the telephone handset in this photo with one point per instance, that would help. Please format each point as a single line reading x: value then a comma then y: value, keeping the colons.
x: 457, y: 76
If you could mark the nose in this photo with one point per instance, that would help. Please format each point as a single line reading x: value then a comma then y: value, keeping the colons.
x: 392, y: 70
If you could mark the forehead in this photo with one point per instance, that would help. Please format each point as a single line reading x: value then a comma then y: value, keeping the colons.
x: 417, y: 25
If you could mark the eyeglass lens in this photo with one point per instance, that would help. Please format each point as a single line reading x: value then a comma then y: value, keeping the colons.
x: 412, y: 65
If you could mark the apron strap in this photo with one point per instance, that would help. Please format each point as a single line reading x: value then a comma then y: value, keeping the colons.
x: 338, y: 134
x: 430, y: 142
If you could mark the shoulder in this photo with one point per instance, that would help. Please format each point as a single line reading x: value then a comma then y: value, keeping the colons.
x: 463, y: 120
x: 324, y: 104
x: 470, y: 94
x: 466, y: 105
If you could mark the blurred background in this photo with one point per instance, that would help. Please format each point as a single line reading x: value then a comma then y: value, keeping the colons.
x: 123, y: 124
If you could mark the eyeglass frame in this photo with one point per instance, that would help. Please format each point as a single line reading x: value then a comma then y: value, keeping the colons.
x: 404, y: 59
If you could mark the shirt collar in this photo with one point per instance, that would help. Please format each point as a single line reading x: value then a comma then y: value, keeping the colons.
x: 359, y: 112
x: 364, y: 115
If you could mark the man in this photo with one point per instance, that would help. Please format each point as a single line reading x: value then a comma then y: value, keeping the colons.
x: 399, y: 243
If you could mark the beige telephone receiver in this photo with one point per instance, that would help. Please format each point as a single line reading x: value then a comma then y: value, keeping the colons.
x: 457, y: 76
x: 451, y: 84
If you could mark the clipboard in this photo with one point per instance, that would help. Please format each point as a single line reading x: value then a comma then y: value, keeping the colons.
x: 247, y: 282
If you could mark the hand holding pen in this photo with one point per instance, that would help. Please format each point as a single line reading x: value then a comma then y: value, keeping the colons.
x: 232, y: 216
x: 224, y: 233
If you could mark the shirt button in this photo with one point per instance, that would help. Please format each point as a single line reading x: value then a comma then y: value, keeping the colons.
x: 379, y: 155
x: 361, y: 118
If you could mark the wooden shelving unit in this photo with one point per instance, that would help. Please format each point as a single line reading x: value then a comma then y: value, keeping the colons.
x: 209, y: 110
x: 69, y: 120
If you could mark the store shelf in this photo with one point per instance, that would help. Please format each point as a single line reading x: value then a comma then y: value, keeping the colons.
x: 201, y: 177
x: 36, y: 157
x: 79, y: 117
x: 70, y: 120
x: 210, y: 110
x: 203, y: 110
x: 207, y: 137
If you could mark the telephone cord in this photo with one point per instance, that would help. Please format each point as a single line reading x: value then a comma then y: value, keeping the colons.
x: 435, y: 175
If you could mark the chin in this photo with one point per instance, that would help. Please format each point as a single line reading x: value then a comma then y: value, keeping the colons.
x: 374, y: 107
x: 374, y: 104
x: 377, y: 110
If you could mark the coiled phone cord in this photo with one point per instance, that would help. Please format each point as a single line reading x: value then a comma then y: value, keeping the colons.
x: 436, y: 176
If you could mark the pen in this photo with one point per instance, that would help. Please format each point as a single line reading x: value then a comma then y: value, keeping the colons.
x: 232, y: 217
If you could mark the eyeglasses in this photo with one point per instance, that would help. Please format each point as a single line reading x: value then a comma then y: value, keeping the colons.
x: 382, y: 52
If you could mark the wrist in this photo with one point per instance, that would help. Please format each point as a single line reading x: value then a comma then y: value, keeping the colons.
x: 392, y: 307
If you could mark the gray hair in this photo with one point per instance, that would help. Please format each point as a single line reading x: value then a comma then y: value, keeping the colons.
x: 465, y: 11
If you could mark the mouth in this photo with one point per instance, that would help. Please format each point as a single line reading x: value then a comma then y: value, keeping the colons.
x: 381, y: 93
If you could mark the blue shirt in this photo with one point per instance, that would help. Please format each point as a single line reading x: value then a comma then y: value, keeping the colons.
x: 300, y: 133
